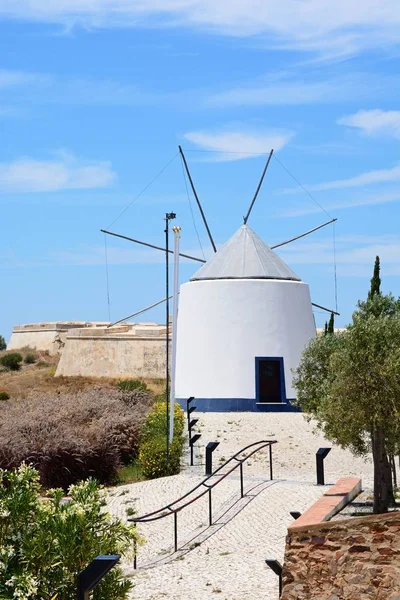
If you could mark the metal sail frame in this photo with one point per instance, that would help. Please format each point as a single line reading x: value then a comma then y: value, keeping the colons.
x: 245, y: 219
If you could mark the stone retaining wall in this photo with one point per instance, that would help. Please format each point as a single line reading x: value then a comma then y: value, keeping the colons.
x: 114, y: 353
x: 355, y: 559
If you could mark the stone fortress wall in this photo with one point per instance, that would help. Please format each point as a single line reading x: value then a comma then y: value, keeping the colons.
x: 93, y: 350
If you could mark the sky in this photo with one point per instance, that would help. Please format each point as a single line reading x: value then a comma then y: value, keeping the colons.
x: 96, y: 96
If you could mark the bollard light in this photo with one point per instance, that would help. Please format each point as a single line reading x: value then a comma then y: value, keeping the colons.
x: 295, y: 514
x: 94, y: 573
x: 211, y: 446
x: 194, y: 438
x: 192, y: 441
x: 277, y: 568
x: 320, y: 455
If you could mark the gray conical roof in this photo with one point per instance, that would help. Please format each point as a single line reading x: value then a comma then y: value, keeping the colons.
x: 245, y: 256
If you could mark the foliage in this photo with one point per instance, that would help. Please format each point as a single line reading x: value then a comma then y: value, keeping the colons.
x: 153, y: 451
x: 30, y: 358
x: 376, y: 280
x: 3, y: 344
x: 130, y: 473
x: 350, y: 383
x: 73, y: 436
x: 45, y: 543
x: 128, y: 385
x: 4, y: 395
x: 11, y: 361
x: 331, y: 324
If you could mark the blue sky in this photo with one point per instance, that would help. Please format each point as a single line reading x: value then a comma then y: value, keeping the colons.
x: 95, y: 97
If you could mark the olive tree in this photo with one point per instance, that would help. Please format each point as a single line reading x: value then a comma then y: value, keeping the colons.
x: 350, y: 383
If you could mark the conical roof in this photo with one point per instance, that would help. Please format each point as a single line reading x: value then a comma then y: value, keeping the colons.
x: 245, y: 256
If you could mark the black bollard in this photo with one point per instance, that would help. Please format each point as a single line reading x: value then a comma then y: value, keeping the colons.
x: 209, y: 450
x: 321, y: 454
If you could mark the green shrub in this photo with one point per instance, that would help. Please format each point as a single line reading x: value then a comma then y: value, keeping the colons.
x: 30, y: 358
x: 152, y: 449
x: 128, y: 385
x: 4, y: 396
x: 74, y: 436
x: 45, y: 543
x: 11, y: 361
x: 3, y: 344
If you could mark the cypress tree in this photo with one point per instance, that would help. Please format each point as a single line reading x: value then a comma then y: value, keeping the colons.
x: 326, y: 328
x: 331, y: 324
x: 376, y: 280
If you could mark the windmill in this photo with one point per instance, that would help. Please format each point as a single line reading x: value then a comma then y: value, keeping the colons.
x: 244, y: 320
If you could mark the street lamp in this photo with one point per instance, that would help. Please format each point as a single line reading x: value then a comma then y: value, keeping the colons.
x: 168, y: 218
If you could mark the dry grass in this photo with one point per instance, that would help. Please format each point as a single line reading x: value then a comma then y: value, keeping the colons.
x: 38, y: 379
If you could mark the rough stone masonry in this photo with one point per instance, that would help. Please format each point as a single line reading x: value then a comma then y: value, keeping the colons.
x: 357, y: 559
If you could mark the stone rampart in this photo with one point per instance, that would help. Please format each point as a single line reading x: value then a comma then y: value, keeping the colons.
x: 48, y: 337
x: 126, y: 351
x: 352, y: 559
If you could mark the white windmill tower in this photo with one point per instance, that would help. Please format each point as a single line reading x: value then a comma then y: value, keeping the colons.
x: 244, y: 320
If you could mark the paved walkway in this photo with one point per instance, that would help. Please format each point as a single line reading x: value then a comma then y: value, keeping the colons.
x: 230, y: 561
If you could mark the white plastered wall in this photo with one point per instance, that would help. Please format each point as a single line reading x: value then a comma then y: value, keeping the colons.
x: 224, y: 324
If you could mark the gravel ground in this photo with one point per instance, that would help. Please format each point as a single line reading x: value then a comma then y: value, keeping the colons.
x: 227, y: 561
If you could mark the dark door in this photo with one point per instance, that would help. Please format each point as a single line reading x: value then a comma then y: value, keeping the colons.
x: 269, y: 380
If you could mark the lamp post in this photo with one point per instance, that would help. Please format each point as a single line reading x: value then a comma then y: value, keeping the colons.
x: 177, y: 234
x: 168, y: 218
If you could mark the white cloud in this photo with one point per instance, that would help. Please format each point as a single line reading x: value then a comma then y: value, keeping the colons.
x: 30, y: 175
x: 368, y: 178
x: 374, y: 122
x: 353, y: 202
x: 242, y: 144
x: 343, y: 27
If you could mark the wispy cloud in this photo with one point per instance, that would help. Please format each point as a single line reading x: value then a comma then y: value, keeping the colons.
x: 288, y: 91
x: 287, y: 88
x: 348, y: 203
x: 355, y: 255
x: 344, y: 28
x: 47, y: 88
x: 92, y: 255
x: 280, y: 88
x: 236, y: 144
x: 18, y: 78
x: 374, y: 122
x: 26, y: 175
x: 367, y: 178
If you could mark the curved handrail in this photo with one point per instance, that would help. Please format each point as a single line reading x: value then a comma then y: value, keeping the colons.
x: 163, y: 512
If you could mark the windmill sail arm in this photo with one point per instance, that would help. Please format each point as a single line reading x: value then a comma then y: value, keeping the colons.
x: 139, y: 312
x: 245, y: 219
x: 303, y: 234
x: 197, y: 199
x: 124, y: 237
x: 329, y: 310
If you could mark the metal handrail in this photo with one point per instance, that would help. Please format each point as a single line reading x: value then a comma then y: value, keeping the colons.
x: 172, y: 509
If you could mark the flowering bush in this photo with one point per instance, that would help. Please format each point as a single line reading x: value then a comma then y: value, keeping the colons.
x: 152, y: 448
x: 45, y: 543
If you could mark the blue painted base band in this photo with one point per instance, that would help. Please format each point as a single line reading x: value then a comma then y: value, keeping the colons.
x: 236, y: 405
